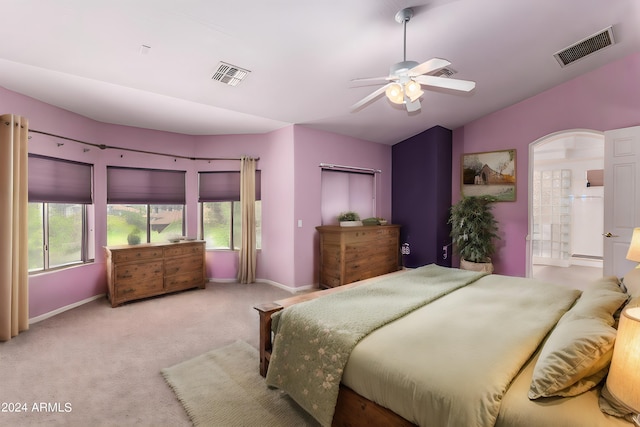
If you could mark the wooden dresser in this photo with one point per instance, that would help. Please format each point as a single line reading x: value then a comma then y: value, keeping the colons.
x: 141, y: 271
x: 349, y: 254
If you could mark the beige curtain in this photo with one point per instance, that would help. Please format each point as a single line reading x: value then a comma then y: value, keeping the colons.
x: 247, y: 264
x: 14, y: 278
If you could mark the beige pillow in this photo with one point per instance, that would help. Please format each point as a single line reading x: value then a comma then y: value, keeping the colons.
x: 577, y: 353
x: 600, y: 300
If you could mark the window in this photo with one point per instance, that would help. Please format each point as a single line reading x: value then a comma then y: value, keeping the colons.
x: 344, y: 191
x: 219, y: 197
x: 60, y: 197
x: 146, y: 202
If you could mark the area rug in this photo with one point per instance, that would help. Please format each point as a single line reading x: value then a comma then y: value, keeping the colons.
x: 223, y: 388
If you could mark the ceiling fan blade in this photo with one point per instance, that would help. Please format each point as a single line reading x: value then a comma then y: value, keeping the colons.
x: 412, y: 106
x: 373, y: 95
x: 374, y: 79
x: 429, y: 66
x: 447, y: 83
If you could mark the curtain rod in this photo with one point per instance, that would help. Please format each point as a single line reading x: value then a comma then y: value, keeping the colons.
x: 104, y: 147
x: 352, y: 168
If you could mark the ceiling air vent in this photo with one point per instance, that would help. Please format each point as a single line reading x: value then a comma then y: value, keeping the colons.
x: 585, y: 47
x: 230, y: 74
x: 445, y: 72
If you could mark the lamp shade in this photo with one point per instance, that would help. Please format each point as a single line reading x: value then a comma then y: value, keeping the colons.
x: 634, y: 247
x: 624, y: 374
x: 395, y: 94
x: 412, y: 90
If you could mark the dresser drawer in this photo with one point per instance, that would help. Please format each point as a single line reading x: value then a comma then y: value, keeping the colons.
x: 385, y: 246
x: 139, y: 272
x: 183, y: 249
x: 183, y: 281
x: 133, y: 290
x: 370, y: 234
x: 183, y: 265
x: 136, y: 254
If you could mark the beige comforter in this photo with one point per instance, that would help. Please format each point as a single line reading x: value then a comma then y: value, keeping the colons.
x: 313, y: 339
x: 466, y: 348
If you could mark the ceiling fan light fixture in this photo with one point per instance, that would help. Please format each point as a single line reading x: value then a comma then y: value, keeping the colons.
x: 413, y: 90
x: 395, y: 93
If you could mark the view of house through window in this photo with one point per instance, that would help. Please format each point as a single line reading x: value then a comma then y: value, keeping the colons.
x: 221, y: 224
x: 152, y: 223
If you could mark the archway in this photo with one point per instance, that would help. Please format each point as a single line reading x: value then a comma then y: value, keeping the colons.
x: 565, y: 213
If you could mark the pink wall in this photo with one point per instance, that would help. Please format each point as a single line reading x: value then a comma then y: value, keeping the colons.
x: 288, y: 253
x: 607, y: 98
x: 313, y: 147
x: 275, y: 151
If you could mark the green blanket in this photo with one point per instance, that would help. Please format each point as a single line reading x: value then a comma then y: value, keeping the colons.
x: 313, y: 339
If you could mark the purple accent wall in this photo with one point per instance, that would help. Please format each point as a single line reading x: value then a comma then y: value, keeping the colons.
x: 421, y: 195
x: 604, y: 99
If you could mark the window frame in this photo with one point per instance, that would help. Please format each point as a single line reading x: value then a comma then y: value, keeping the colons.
x: 85, y: 256
x: 211, y: 192
x: 231, y: 246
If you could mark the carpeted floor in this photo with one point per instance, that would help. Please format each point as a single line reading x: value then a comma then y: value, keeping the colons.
x: 100, y: 366
x: 222, y: 388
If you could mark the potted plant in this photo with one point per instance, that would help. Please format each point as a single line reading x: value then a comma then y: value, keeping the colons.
x: 133, y: 238
x: 473, y: 230
x: 349, y: 219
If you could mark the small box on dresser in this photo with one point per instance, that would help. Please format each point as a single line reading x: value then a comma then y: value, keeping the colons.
x: 350, y: 254
x: 142, y: 271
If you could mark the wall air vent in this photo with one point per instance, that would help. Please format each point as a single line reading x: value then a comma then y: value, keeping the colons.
x: 230, y: 74
x: 585, y: 47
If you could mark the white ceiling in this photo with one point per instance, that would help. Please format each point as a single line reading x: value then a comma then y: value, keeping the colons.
x: 85, y: 56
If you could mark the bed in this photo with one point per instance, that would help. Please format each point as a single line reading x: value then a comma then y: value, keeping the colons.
x: 445, y: 347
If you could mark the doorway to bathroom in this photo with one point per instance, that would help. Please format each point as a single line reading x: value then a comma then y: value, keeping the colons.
x: 566, y: 207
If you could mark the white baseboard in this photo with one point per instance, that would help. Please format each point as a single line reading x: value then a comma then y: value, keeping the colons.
x: 287, y: 288
x: 586, y: 262
x: 93, y: 298
x: 63, y: 309
x: 270, y: 282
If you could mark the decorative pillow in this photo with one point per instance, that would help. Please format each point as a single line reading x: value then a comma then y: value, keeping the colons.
x: 577, y: 353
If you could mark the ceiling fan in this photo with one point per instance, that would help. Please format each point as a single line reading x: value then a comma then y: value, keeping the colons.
x: 407, y: 77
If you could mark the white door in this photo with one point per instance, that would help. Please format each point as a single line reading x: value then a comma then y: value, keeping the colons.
x: 621, y: 197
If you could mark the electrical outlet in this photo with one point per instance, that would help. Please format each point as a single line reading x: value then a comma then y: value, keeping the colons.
x: 405, y: 250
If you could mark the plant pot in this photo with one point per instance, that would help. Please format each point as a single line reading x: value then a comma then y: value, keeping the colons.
x: 350, y: 223
x: 476, y: 266
x: 133, y: 239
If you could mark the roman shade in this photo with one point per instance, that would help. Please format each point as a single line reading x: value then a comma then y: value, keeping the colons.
x: 222, y: 186
x: 54, y: 180
x: 145, y: 186
x: 344, y: 191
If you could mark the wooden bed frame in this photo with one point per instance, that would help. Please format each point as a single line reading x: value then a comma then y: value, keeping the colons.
x: 351, y: 408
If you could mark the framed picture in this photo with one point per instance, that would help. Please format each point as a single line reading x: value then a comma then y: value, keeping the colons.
x: 492, y: 173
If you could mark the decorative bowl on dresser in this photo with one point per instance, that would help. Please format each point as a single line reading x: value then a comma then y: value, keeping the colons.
x: 141, y: 271
x: 350, y: 254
